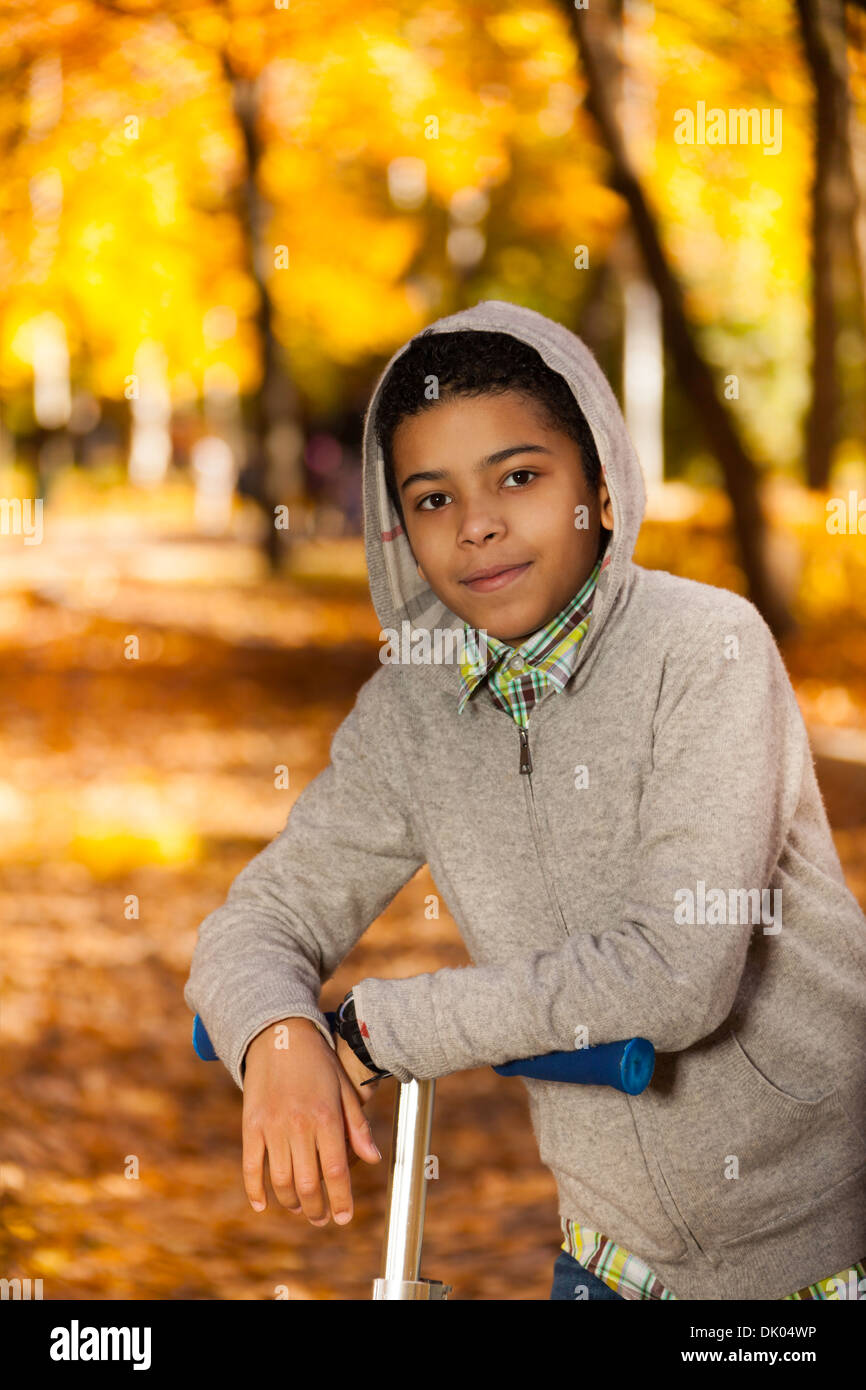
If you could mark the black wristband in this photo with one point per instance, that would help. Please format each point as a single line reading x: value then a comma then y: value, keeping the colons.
x: 346, y: 1024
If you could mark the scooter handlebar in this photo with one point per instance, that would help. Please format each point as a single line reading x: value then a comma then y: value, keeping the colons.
x: 626, y: 1066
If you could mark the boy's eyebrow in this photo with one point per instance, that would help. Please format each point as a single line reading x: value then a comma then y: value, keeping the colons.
x: 435, y: 475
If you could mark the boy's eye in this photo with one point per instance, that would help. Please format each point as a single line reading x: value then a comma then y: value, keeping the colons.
x: 429, y: 498
x: 526, y: 473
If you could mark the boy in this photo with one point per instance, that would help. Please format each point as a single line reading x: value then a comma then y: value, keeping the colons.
x: 615, y: 794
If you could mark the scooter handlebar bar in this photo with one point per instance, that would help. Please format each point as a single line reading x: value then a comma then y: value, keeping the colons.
x: 626, y: 1066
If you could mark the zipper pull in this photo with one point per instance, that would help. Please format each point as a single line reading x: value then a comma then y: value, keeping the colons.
x: 525, y: 759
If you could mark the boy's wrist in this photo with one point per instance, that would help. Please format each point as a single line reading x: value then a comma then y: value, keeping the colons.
x: 345, y: 1025
x: 363, y: 1080
x: 295, y: 1023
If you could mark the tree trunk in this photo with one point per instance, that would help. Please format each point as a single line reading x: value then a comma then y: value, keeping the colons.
x: 857, y: 158
x: 590, y: 31
x: 274, y: 463
x: 836, y: 285
x: 593, y: 308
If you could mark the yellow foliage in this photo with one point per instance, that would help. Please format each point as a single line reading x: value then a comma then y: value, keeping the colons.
x: 108, y: 850
x: 122, y: 203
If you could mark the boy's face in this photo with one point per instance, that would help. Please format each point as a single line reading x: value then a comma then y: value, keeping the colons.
x: 513, y: 515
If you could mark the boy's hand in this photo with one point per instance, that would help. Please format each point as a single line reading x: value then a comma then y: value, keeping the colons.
x: 300, y: 1105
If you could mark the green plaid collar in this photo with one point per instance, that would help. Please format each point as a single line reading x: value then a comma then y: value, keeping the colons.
x: 518, y: 677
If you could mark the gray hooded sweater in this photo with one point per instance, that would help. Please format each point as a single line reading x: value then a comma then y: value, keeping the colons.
x: 666, y: 870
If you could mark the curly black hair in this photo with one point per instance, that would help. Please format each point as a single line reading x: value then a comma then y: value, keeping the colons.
x: 476, y: 363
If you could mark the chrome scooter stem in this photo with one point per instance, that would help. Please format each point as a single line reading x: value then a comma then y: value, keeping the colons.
x: 407, y: 1196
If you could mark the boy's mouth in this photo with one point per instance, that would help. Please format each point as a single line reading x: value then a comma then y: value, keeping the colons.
x: 483, y: 581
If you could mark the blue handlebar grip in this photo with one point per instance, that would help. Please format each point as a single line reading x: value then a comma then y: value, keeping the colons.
x: 201, y: 1042
x: 627, y: 1066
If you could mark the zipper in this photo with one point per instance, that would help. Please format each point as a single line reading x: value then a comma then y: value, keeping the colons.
x: 526, y: 768
x: 525, y: 759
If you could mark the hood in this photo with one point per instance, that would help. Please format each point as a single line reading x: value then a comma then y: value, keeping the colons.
x: 398, y: 592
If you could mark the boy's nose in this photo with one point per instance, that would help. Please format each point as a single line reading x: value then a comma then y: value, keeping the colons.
x: 479, y: 525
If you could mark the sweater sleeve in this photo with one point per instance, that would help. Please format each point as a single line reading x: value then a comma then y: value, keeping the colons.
x: 728, y: 746
x: 300, y: 905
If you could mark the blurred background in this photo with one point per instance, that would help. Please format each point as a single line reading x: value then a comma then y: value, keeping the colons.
x: 218, y: 220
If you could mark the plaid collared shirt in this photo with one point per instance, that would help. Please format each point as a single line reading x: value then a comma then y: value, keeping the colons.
x: 518, y: 677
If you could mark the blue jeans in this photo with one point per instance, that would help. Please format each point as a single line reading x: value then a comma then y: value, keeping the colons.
x: 570, y: 1277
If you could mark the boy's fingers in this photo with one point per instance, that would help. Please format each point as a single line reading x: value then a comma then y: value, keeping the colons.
x: 252, y: 1166
x: 307, y: 1177
x: 280, y: 1169
x: 358, y: 1128
x: 331, y: 1143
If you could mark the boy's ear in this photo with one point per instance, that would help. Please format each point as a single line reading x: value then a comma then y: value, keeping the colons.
x: 606, y: 507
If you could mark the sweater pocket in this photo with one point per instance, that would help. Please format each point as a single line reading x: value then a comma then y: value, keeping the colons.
x: 588, y: 1139
x: 742, y: 1156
